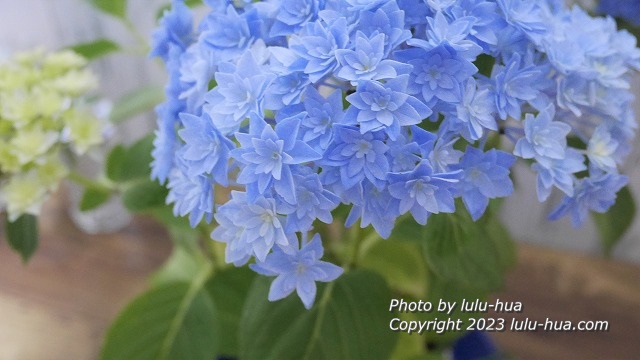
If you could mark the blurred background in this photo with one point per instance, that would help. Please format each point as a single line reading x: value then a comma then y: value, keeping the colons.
x: 59, y: 304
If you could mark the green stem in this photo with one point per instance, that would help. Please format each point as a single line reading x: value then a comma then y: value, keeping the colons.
x: 355, y: 242
x: 88, y: 182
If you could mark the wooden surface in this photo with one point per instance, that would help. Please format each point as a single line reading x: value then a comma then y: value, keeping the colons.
x: 59, y: 305
x: 566, y: 286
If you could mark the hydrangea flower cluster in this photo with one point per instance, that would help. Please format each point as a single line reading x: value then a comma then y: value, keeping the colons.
x: 42, y: 112
x: 386, y: 106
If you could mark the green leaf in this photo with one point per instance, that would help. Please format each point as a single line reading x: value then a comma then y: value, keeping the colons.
x: 179, y: 227
x: 499, y: 238
x: 95, y: 49
x: 138, y: 162
x: 117, y: 8
x: 115, y: 164
x: 173, y: 321
x: 22, y: 235
x: 459, y: 250
x: 94, y: 197
x: 144, y: 195
x: 485, y: 63
x: 130, y: 163
x: 443, y: 290
x: 350, y: 320
x: 136, y: 102
x: 184, y: 264
x: 614, y: 223
x: 229, y: 289
x: 401, y: 264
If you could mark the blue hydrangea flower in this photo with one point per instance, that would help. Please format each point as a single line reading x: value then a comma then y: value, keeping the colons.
x: 485, y: 176
x: 317, y: 128
x: 488, y: 22
x: 205, y: 149
x: 250, y: 229
x: 317, y: 46
x: 372, y: 206
x: 286, y: 89
x: 358, y: 156
x: 306, y: 105
x: 558, y: 173
x: 196, y: 73
x: 230, y: 231
x: 376, y: 106
x: 593, y: 193
x: 293, y: 14
x: 191, y: 195
x: 229, y: 33
x: 423, y: 192
x: 364, y: 5
x: 439, y: 72
x: 528, y: 16
x: 476, y: 111
x: 443, y: 154
x: 267, y: 155
x: 366, y: 61
x: 543, y: 137
x: 175, y: 30
x: 298, y: 271
x: 601, y: 149
x: 165, y: 144
x: 312, y: 202
x: 240, y: 92
x: 514, y: 84
x: 389, y: 20
x: 454, y: 34
x: 404, y: 155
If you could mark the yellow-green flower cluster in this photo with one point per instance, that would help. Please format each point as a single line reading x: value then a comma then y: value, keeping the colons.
x: 43, y: 112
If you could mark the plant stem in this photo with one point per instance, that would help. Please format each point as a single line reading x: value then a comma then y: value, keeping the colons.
x: 88, y: 182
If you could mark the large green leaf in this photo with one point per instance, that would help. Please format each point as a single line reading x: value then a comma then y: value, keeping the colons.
x: 96, y: 49
x: 94, y: 197
x: 22, y: 235
x: 174, y: 321
x: 117, y: 8
x: 136, y: 102
x: 401, y: 264
x: 178, y: 227
x: 229, y: 289
x: 350, y: 320
x: 459, y: 250
x: 130, y: 163
x: 447, y: 291
x: 613, y: 224
x: 184, y: 264
x: 144, y: 195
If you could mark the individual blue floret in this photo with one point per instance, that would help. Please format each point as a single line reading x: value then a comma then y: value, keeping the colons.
x: 485, y: 176
x: 267, y: 154
x: 298, y: 271
x: 387, y: 107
